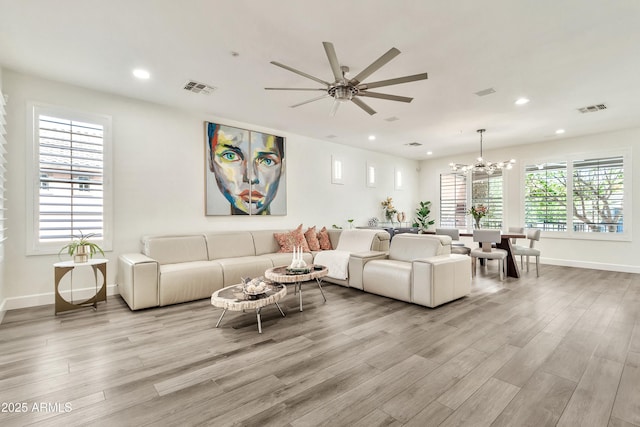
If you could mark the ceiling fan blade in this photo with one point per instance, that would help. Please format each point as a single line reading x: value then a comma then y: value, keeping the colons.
x: 334, y: 108
x: 364, y: 106
x: 396, y: 81
x: 294, y: 88
x: 377, y: 64
x: 301, y: 73
x: 333, y: 60
x: 385, y: 96
x: 310, y: 100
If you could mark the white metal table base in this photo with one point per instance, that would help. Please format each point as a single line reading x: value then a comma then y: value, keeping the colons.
x: 297, y: 288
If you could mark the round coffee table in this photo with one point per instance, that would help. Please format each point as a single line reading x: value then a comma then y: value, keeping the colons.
x: 281, y: 275
x: 232, y: 298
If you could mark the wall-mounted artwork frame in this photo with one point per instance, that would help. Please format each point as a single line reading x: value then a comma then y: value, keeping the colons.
x: 245, y: 172
x: 337, y: 170
x: 371, y: 175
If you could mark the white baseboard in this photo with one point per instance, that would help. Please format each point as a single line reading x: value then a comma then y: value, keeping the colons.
x: 590, y: 265
x: 49, y: 298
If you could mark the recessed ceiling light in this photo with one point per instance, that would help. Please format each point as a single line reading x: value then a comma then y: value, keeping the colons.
x: 559, y: 131
x: 141, y: 74
x: 522, y: 101
x: 372, y: 137
x: 429, y: 153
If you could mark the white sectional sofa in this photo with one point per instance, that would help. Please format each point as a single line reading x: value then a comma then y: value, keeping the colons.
x: 419, y: 269
x: 177, y: 268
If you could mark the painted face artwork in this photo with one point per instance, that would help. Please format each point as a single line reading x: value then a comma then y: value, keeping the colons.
x: 247, y: 168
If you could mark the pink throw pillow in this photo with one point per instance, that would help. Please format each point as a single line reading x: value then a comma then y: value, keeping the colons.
x: 292, y: 239
x: 312, y: 238
x: 323, y: 239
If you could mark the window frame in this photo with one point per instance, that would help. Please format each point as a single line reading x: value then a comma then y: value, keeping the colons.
x: 569, y: 159
x: 34, y: 109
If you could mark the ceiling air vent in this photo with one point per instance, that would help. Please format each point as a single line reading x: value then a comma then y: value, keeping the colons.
x: 413, y: 144
x: 486, y: 92
x: 195, y: 87
x: 332, y: 136
x: 392, y: 119
x: 592, y: 108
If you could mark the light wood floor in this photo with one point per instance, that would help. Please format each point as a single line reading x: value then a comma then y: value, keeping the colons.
x: 562, y: 349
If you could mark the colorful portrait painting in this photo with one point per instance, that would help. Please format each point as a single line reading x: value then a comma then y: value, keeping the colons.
x: 245, y: 172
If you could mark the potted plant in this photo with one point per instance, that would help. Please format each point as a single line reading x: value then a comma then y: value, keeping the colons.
x: 422, y: 220
x: 81, y: 248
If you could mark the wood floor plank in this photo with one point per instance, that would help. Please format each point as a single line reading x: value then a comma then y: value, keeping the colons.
x: 627, y: 404
x: 591, y: 403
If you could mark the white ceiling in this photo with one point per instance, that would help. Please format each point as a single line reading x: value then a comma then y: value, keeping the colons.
x: 561, y: 54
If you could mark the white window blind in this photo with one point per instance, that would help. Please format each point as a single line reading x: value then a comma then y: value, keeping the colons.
x: 453, y: 200
x: 487, y: 190
x: 545, y: 203
x: 71, y: 174
x: 3, y: 163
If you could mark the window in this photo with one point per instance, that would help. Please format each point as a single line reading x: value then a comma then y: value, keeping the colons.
x: 545, y: 196
x: 3, y: 163
x: 578, y: 196
x: 71, y: 161
x: 453, y: 200
x: 486, y: 190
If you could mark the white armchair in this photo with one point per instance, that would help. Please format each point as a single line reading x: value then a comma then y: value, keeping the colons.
x: 419, y: 269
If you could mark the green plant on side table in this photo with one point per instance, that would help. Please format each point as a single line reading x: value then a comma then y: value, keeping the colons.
x: 81, y: 248
x: 422, y: 220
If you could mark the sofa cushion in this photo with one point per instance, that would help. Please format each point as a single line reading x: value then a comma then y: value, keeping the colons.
x: 230, y: 244
x: 311, y: 236
x: 389, y: 278
x: 292, y: 239
x: 407, y: 247
x: 188, y: 281
x: 233, y: 269
x: 324, y: 240
x: 265, y: 242
x: 175, y: 249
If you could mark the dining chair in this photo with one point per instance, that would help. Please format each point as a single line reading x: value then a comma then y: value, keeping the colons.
x: 485, y: 251
x: 533, y: 235
x: 519, y: 230
x: 457, y: 247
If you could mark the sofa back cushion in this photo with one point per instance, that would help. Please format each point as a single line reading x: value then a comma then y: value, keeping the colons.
x: 175, y: 249
x: 408, y: 247
x: 230, y: 244
x: 265, y: 242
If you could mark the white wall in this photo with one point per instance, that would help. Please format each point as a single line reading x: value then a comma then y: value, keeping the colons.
x: 159, y: 179
x: 598, y: 254
x: 2, y: 261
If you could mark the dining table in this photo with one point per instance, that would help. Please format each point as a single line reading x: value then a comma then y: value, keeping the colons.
x: 505, y: 243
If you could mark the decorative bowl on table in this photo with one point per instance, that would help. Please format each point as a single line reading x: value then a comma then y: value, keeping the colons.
x: 254, y: 288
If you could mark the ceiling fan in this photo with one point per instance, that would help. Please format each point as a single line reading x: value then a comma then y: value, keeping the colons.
x: 343, y: 90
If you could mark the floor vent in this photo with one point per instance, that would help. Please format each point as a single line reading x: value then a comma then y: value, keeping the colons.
x: 592, y: 108
x: 195, y: 87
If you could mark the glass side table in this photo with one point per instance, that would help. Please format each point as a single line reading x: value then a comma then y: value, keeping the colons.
x: 64, y: 267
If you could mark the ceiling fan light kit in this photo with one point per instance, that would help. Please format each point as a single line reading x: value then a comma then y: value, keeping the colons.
x: 482, y: 165
x: 343, y: 90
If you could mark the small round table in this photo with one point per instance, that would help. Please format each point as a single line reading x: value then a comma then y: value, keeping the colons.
x: 232, y: 298
x: 281, y: 275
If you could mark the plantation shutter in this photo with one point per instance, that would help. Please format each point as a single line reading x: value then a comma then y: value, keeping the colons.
x: 487, y: 190
x: 545, y: 198
x: 71, y: 170
x: 453, y: 200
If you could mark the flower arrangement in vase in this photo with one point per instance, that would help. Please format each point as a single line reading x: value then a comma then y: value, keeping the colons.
x: 478, y: 212
x: 389, y: 210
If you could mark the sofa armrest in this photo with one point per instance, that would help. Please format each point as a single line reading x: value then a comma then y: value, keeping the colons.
x: 138, y: 277
x: 357, y: 261
x: 440, y: 279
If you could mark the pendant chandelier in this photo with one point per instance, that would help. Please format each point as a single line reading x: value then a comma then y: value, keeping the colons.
x: 482, y: 165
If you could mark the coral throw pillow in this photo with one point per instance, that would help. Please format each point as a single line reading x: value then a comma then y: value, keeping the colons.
x: 312, y: 238
x: 292, y: 239
x: 323, y: 238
